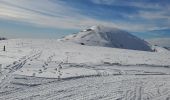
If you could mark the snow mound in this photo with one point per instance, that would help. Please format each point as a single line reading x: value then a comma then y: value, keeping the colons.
x: 108, y: 37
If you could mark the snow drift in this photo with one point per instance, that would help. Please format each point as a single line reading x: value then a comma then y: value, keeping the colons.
x: 108, y: 37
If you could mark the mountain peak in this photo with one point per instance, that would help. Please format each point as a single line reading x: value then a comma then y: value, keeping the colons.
x: 102, y: 28
x: 108, y: 37
x: 98, y: 27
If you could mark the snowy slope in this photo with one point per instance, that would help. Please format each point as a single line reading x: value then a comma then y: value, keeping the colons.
x: 108, y: 37
x: 54, y: 52
x: 55, y: 70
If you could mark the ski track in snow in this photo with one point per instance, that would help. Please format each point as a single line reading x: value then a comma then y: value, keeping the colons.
x: 7, y: 73
x: 55, y: 74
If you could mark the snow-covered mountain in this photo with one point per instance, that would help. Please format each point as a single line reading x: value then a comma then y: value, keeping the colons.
x: 108, y: 37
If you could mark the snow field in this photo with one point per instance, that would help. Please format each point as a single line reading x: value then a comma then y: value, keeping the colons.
x: 51, y: 69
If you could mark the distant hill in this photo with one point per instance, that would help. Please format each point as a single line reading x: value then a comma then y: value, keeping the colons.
x: 3, y: 38
x: 163, y: 42
x: 163, y: 33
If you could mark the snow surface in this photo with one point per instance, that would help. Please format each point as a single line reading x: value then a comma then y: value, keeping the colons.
x: 108, y: 37
x: 42, y: 69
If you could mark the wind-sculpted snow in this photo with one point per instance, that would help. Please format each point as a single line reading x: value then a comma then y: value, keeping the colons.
x: 55, y: 70
x: 108, y: 37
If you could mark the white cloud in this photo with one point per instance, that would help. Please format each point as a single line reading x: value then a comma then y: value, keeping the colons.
x: 154, y: 15
x: 138, y: 4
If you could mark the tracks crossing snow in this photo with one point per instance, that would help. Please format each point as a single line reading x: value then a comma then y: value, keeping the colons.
x: 6, y: 74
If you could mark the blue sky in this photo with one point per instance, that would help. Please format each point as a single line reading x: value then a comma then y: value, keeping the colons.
x: 56, y: 18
